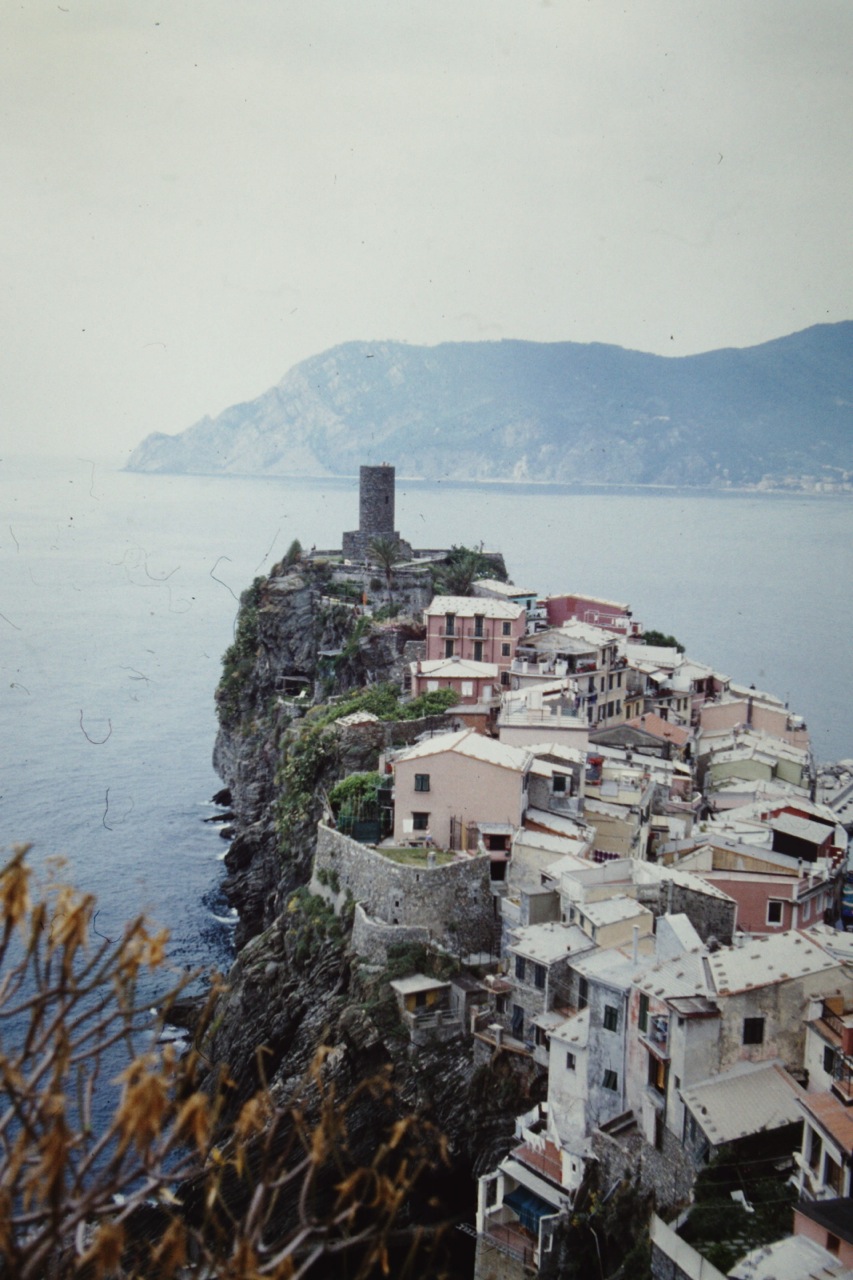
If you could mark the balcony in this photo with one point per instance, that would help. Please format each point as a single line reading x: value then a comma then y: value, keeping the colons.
x: 656, y: 1035
x: 512, y: 1238
x: 438, y: 1024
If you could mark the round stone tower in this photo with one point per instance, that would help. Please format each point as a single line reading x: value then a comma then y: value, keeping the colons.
x: 376, y: 501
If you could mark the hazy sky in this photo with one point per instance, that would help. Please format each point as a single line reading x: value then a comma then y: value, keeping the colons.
x: 196, y: 195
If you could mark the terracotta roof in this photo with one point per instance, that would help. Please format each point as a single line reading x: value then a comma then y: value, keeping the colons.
x: 660, y: 728
x: 832, y: 1116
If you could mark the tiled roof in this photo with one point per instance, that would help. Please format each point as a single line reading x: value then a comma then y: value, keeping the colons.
x: 455, y: 667
x: 751, y: 1098
x: 468, y: 606
x: 832, y: 1116
x: 760, y: 962
x: 474, y: 745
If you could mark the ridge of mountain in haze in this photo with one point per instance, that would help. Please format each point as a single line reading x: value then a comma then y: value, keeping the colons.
x: 561, y: 412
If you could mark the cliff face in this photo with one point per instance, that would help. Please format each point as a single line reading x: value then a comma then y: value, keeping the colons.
x: 294, y: 641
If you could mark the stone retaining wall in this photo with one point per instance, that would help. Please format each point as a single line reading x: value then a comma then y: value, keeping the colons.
x: 372, y: 938
x: 452, y: 903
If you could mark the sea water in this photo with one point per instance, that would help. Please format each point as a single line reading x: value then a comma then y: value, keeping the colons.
x: 119, y: 593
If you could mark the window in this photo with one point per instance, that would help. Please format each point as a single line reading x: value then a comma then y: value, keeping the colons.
x: 506, y: 629
x: 807, y: 909
x: 832, y: 1173
x: 583, y: 993
x: 833, y: 1243
x: 559, y: 783
x: 420, y: 821
x: 815, y: 1148
x: 571, y: 1062
x: 421, y: 782
x: 774, y: 911
x: 753, y: 1031
x: 611, y: 1080
x: 539, y: 972
x: 478, y: 624
x: 643, y: 1018
x: 478, y: 651
x: 506, y: 650
x: 432, y: 686
x: 611, y: 1018
x: 450, y: 624
x: 448, y: 648
x: 657, y: 1074
x: 519, y: 968
x: 467, y: 688
x: 828, y: 1059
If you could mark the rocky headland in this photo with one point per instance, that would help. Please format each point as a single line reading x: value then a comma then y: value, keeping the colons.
x: 304, y: 655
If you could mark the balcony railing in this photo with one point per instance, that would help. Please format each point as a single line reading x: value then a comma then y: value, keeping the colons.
x: 511, y: 1238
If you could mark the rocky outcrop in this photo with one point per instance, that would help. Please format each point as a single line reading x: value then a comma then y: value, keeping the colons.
x: 297, y: 984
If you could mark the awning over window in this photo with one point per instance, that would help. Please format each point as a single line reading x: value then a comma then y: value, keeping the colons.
x: 529, y: 1207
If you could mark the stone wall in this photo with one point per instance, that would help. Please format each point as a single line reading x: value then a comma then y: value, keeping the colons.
x: 710, y: 916
x: 453, y: 903
x: 667, y: 1173
x: 371, y: 938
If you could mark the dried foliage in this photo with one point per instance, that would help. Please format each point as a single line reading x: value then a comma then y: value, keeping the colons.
x: 167, y: 1186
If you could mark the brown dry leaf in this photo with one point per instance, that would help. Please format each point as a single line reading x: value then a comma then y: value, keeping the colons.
x: 14, y: 889
x: 143, y: 1105
x: 194, y: 1120
x: 104, y: 1253
x: 171, y: 1250
x: 253, y: 1116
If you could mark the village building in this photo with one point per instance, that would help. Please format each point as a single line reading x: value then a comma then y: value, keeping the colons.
x: 588, y: 658
x: 750, y: 709
x: 474, y: 683
x: 540, y: 712
x: 610, y: 615
x: 646, y: 735
x: 749, y: 754
x: 450, y: 788
x: 475, y: 629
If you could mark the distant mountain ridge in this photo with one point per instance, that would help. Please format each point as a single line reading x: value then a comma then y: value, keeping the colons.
x: 558, y: 412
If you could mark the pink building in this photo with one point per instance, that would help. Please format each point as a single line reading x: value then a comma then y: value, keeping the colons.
x: 454, y: 783
x: 753, y: 712
x: 610, y: 614
x: 774, y: 903
x: 475, y: 629
x: 472, y: 682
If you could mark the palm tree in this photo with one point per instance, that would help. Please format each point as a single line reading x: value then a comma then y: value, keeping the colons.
x: 461, y: 569
x: 385, y: 552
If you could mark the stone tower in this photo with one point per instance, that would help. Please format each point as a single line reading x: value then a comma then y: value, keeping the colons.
x: 375, y: 511
x: 376, y: 501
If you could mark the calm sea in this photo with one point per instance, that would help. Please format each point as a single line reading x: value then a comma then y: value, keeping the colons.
x: 119, y: 595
